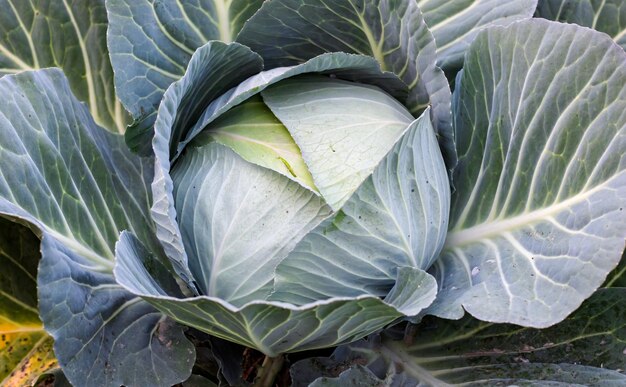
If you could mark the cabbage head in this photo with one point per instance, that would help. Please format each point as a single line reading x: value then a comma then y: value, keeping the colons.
x: 301, y: 209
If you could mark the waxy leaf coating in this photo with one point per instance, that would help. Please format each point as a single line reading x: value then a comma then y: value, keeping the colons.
x: 537, y: 220
x: 79, y: 185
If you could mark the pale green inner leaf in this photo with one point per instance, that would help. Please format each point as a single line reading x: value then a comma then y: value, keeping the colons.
x: 343, y: 129
x: 252, y: 130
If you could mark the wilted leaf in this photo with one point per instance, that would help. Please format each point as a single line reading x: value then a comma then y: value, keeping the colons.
x: 37, y: 361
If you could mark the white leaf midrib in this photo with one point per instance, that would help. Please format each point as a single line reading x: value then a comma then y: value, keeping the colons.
x: 172, y: 39
x: 222, y: 8
x: 91, y: 90
x: 101, y: 263
x: 22, y: 66
x: 27, y: 34
x: 191, y: 25
x: 486, y: 230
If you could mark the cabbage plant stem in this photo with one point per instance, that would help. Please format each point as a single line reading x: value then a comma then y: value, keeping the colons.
x: 269, y: 369
x: 409, y: 334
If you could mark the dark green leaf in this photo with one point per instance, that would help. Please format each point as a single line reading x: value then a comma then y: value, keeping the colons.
x: 354, y: 377
x: 230, y: 359
x: 617, y: 278
x: 198, y: 381
x: 584, y: 349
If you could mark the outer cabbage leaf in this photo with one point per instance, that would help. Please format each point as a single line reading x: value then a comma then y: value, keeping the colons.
x: 343, y: 129
x: 68, y: 34
x: 607, y: 16
x: 516, y: 374
x: 182, y: 101
x: 151, y: 43
x: 271, y: 327
x: 454, y: 24
x: 288, y: 32
x: 397, y: 218
x: 229, y: 357
x: 537, y: 219
x: 354, y: 376
x: 79, y: 185
x: 585, y: 349
x: 25, y: 348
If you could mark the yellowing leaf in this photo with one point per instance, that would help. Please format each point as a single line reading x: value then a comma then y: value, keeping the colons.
x: 25, y: 356
x: 25, y: 348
